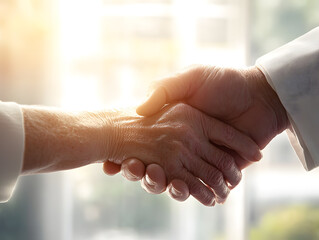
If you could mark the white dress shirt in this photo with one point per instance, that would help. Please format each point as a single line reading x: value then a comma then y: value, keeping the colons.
x: 11, y: 147
x: 293, y: 72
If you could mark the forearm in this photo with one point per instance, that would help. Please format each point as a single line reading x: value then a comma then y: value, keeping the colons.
x: 57, y: 140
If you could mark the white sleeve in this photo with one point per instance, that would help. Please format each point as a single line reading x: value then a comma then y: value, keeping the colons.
x: 11, y: 147
x: 293, y: 72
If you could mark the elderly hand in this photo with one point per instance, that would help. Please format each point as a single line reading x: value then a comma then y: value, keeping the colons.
x: 239, y: 97
x: 184, y: 142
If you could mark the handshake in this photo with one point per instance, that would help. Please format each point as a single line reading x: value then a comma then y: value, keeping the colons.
x: 195, y: 133
x: 199, y: 129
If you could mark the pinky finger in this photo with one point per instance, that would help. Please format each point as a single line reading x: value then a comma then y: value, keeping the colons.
x: 199, y: 190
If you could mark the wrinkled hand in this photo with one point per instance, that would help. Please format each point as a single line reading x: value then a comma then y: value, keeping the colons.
x: 183, y: 141
x: 239, y: 97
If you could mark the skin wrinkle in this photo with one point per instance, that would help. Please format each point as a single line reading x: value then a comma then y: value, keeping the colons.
x: 68, y: 139
x: 103, y: 140
x: 205, y: 174
x: 240, y: 97
x: 229, y: 134
x: 233, y: 174
x: 57, y: 140
x: 186, y: 154
x: 187, y: 138
x: 221, y: 160
x: 272, y: 103
x: 176, y: 165
x: 215, y: 179
x: 198, y: 191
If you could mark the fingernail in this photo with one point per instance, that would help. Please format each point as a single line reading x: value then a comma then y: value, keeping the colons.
x: 149, y: 180
x: 131, y: 176
x: 175, y: 192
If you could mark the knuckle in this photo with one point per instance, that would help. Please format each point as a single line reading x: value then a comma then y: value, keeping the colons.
x: 202, y: 193
x: 180, y: 108
x: 175, y: 159
x: 191, y: 139
x: 206, y: 199
x: 227, y: 163
x: 183, y: 129
x: 224, y: 193
x: 237, y: 178
x: 188, y: 137
x: 229, y: 133
x: 198, y: 190
x: 172, y: 168
x: 216, y: 179
x: 195, y: 146
x: 220, y: 157
x: 171, y: 146
x: 179, y: 149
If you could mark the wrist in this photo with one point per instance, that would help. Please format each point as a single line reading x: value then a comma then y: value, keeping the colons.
x: 270, y: 97
x: 115, y: 133
x: 57, y: 140
x: 108, y: 141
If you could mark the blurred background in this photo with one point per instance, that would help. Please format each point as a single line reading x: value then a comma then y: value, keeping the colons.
x: 91, y: 54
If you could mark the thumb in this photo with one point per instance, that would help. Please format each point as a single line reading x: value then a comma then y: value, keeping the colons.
x: 167, y: 90
x: 154, y: 103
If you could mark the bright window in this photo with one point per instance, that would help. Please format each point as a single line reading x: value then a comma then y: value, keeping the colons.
x: 111, y: 51
x: 92, y: 54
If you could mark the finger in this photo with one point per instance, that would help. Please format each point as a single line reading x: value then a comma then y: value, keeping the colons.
x: 223, y: 161
x: 198, y: 190
x: 240, y: 162
x: 178, y: 190
x: 225, y: 135
x: 212, y: 177
x: 133, y: 169
x: 167, y: 90
x: 154, y: 180
x: 111, y: 168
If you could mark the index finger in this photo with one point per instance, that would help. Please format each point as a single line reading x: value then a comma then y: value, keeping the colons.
x: 226, y: 135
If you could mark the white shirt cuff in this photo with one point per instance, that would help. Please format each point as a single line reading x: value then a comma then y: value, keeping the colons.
x: 293, y: 72
x: 11, y: 147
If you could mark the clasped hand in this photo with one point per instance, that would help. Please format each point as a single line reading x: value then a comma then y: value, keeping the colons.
x: 241, y: 98
x: 185, y: 143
